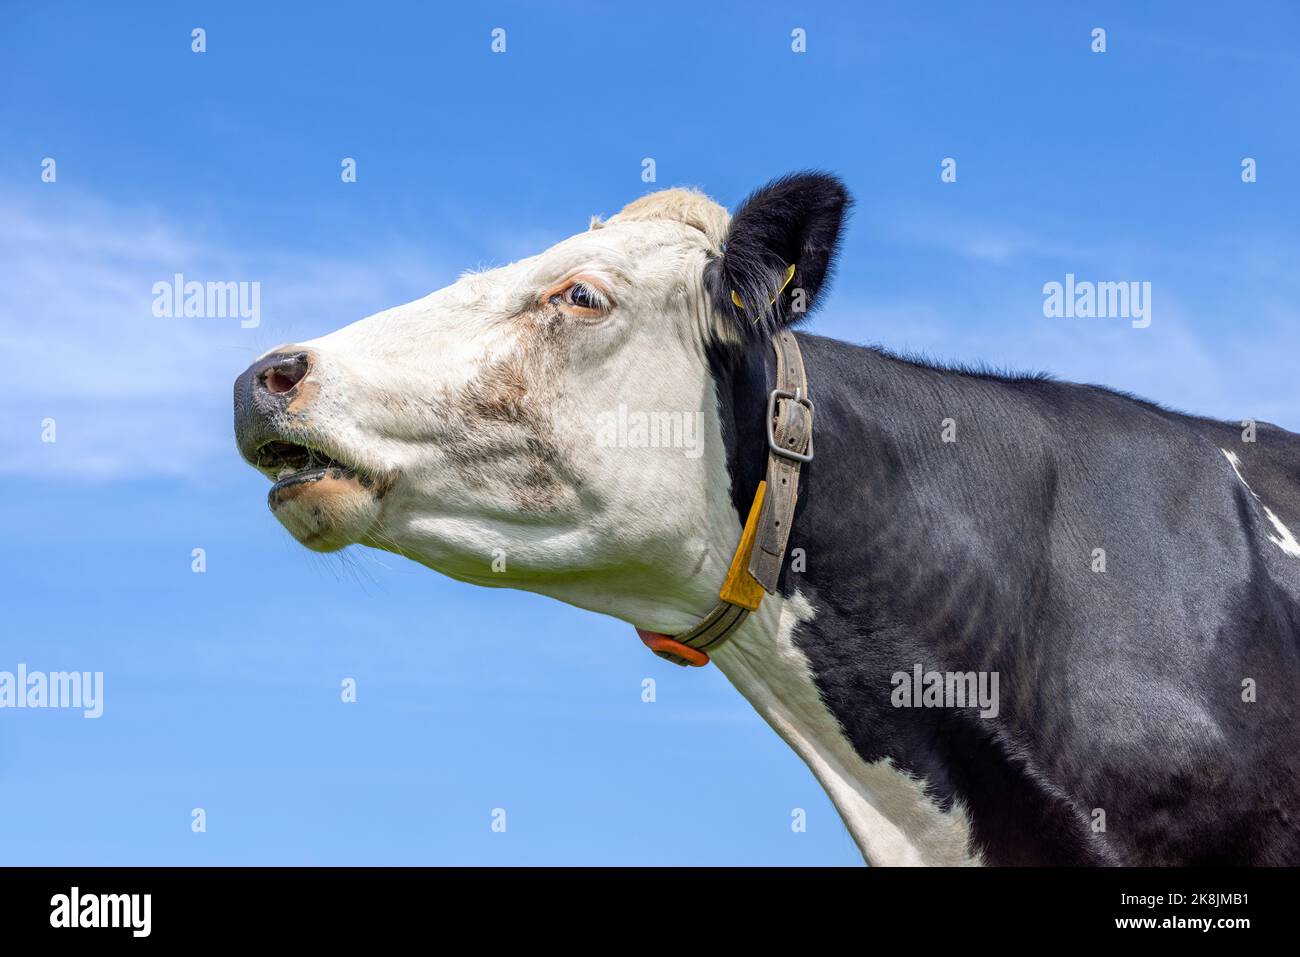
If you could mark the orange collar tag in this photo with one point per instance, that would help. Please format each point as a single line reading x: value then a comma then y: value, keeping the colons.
x: 662, y: 644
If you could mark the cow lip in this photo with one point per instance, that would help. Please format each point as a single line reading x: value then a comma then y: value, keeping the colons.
x: 288, y: 463
x: 288, y: 479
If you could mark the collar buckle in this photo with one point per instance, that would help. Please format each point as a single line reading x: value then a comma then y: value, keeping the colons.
x: 772, y: 443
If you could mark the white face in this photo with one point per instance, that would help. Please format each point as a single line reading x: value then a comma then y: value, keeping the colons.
x: 493, y: 430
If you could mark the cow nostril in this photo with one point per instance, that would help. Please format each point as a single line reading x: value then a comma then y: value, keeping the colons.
x: 278, y: 382
x: 285, y: 372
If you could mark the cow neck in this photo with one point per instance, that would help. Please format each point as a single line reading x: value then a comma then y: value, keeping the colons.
x: 760, y: 554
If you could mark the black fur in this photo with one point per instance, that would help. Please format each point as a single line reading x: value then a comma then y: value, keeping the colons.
x: 1120, y: 691
x: 792, y: 221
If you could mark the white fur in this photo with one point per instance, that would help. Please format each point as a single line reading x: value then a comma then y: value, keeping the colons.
x: 640, y: 533
x: 1284, y: 539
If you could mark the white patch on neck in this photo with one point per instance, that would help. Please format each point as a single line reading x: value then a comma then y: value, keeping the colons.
x: 888, y: 812
x: 1284, y: 539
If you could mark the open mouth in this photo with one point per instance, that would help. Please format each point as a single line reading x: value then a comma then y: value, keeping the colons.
x: 323, y: 501
x: 290, y: 464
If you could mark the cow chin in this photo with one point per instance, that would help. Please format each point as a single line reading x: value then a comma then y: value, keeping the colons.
x: 326, y: 509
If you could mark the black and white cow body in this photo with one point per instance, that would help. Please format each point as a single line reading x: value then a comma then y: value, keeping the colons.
x: 1121, y: 690
x: 1127, y: 575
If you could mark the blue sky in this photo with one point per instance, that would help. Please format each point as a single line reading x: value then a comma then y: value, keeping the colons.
x: 222, y: 688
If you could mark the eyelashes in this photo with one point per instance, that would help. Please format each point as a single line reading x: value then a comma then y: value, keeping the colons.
x: 583, y: 298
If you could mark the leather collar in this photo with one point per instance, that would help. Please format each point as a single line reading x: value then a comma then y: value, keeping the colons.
x: 756, y: 563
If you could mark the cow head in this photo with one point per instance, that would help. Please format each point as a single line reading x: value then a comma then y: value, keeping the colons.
x: 552, y: 424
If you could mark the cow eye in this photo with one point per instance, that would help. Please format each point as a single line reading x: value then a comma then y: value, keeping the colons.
x: 583, y: 297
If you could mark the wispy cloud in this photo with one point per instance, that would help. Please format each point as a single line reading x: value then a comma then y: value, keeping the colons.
x: 133, y: 394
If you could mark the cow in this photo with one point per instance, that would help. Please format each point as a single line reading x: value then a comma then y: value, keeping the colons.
x: 1003, y: 619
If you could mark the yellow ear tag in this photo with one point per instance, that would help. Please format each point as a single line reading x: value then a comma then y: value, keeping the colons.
x: 789, y: 275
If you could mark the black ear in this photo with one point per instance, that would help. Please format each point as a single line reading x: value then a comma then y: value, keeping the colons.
x: 779, y: 252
